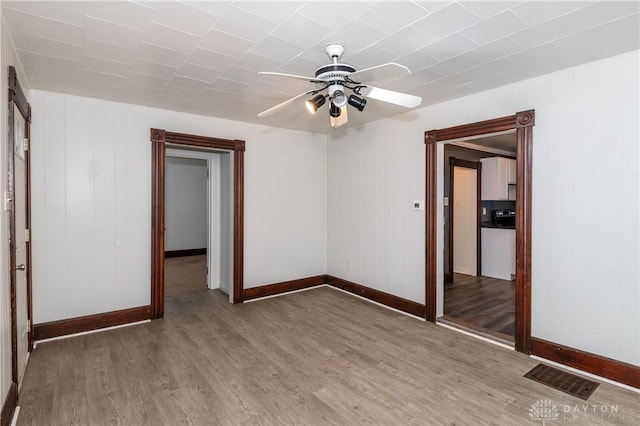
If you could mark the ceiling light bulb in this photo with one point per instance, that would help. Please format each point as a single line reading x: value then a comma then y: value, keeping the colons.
x: 357, y: 103
x: 339, y: 99
x: 334, y: 111
x: 314, y: 103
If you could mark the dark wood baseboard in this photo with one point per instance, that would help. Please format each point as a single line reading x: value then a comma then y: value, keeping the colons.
x: 602, y: 366
x: 183, y: 253
x: 283, y: 287
x: 90, y: 322
x: 9, y: 405
x: 408, y: 306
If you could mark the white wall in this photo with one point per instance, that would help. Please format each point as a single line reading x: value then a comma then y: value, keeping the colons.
x: 185, y: 204
x: 7, y: 57
x: 586, y: 291
x: 91, y: 199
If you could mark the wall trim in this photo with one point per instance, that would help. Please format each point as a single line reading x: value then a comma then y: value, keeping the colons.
x: 51, y: 329
x: 596, y: 364
x: 9, y: 405
x: 283, y: 287
x: 399, y: 303
x: 186, y: 252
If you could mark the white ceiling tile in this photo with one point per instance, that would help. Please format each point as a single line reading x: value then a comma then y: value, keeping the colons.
x: 601, y: 12
x: 198, y: 73
x: 415, y: 61
x: 241, y: 75
x: 543, y: 33
x: 96, y: 77
x: 494, y: 28
x: 628, y: 26
x: 535, y: 13
x: 230, y: 86
x: 107, y: 50
x: 487, y: 9
x: 152, y: 68
x: 43, y: 28
x: 187, y: 83
x: 108, y: 32
x: 102, y: 65
x: 46, y: 77
x: 434, y: 6
x: 457, y: 79
x: 211, y: 60
x: 530, y: 57
x: 487, y: 69
x: 495, y: 50
x: 447, y: 21
x: 45, y: 46
x: 389, y: 17
x: 299, y: 66
x: 449, y: 47
x: 215, y: 8
x: 135, y: 79
x: 65, y: 11
x: 454, y: 65
x: 251, y: 61
x: 415, y: 80
x: 304, y: 31
x: 354, y: 36
x: 404, y: 41
x: 183, y: 17
x: 490, y: 82
x: 323, y: 13
x: 169, y: 38
x: 274, y: 11
x: 369, y: 58
x: 127, y: 14
x: 277, y: 49
x: 243, y: 24
x: 160, y: 55
x: 49, y: 62
x: 219, y: 42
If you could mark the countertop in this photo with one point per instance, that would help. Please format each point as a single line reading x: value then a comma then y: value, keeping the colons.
x: 492, y: 225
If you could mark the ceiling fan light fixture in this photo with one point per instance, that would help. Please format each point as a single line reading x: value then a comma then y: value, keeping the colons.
x: 339, y: 99
x: 314, y: 103
x: 334, y: 110
x: 357, y: 102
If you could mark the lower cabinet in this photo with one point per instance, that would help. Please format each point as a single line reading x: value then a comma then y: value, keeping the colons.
x: 498, y: 253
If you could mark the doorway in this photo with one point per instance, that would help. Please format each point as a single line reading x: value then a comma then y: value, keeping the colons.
x: 18, y: 204
x: 234, y: 238
x: 523, y: 123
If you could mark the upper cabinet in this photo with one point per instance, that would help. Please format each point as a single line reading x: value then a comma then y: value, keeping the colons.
x: 497, y: 174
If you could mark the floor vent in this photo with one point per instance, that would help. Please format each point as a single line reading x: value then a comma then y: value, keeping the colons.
x: 563, y: 381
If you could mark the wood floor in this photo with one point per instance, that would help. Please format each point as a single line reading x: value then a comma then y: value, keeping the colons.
x: 185, y: 274
x: 482, y: 304
x: 318, y: 357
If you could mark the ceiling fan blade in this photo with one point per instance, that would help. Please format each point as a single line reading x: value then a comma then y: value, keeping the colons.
x: 297, y: 77
x: 341, y: 119
x: 284, y: 104
x: 380, y: 72
x: 398, y: 98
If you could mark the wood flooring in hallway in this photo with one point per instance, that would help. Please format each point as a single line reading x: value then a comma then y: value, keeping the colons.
x: 318, y: 357
x: 483, y: 304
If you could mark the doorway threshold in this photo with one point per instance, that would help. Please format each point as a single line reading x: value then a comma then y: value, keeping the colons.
x: 469, y: 328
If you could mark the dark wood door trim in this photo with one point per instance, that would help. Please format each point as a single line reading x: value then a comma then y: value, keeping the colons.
x: 159, y: 139
x: 523, y: 123
x: 17, y: 98
x: 456, y: 162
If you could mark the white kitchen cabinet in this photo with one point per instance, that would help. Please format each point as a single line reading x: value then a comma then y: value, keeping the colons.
x: 498, y: 253
x: 497, y: 174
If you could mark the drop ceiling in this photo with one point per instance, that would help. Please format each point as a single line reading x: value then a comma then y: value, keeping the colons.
x: 204, y: 57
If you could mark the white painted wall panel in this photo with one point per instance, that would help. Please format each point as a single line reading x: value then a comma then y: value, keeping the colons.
x: 92, y: 202
x: 586, y: 275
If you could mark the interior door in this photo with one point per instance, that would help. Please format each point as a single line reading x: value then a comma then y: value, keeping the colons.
x: 20, y: 211
x: 464, y: 221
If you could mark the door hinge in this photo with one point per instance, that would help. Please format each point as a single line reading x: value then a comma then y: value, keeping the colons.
x: 7, y: 200
x: 27, y: 236
x: 26, y: 144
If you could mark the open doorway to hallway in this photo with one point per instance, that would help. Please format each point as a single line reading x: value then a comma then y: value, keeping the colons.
x: 479, y: 218
x: 198, y: 227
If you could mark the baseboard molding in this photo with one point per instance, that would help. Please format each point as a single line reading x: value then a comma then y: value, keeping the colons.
x: 283, y: 287
x: 9, y: 405
x: 408, y: 306
x: 48, y: 330
x: 602, y: 366
x: 183, y: 253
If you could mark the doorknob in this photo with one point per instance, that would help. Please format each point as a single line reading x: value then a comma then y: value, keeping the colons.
x: 21, y: 267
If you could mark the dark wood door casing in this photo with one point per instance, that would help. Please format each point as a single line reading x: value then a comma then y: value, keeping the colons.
x: 523, y: 123
x: 159, y: 139
x: 477, y: 165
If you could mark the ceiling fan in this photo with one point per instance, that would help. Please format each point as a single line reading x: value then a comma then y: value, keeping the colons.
x: 337, y: 77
